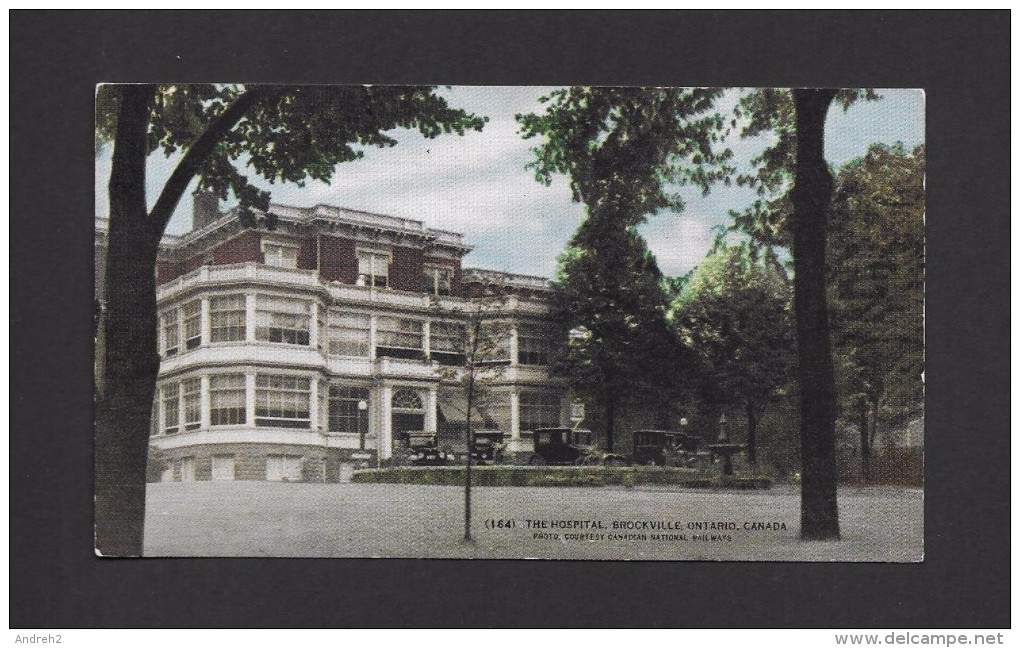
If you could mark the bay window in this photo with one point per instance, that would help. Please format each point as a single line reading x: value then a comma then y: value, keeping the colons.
x: 348, y: 334
x: 171, y: 408
x: 227, y: 400
x: 399, y: 338
x: 227, y: 318
x: 191, y: 321
x: 282, y: 401
x: 278, y: 319
x: 191, y: 397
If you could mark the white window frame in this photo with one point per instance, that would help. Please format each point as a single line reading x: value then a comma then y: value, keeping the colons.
x: 435, y: 273
x: 273, y: 254
x: 170, y: 395
x: 399, y: 334
x: 286, y: 321
x: 191, y: 404
x: 170, y: 322
x: 335, y: 325
x: 276, y: 401
x: 537, y: 337
x: 219, y: 310
x: 192, y: 339
x: 218, y: 384
x: 372, y: 278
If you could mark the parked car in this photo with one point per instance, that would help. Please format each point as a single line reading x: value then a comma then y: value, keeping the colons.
x: 566, y: 447
x: 488, y: 447
x: 668, y: 448
x: 424, y: 451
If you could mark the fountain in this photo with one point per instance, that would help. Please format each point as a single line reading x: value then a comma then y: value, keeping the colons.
x: 723, y: 448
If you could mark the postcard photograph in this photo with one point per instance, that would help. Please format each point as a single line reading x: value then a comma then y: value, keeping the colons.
x: 510, y: 322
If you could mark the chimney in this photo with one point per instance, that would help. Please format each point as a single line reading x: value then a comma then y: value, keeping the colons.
x: 205, y: 208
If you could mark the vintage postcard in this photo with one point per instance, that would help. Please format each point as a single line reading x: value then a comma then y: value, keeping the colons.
x: 580, y: 323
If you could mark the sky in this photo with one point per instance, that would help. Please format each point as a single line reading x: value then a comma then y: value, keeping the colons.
x: 477, y: 184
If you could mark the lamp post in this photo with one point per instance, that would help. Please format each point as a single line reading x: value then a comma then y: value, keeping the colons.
x: 724, y: 429
x: 362, y: 428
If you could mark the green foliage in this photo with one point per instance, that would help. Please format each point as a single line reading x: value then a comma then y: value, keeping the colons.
x: 288, y: 134
x: 876, y: 278
x: 735, y: 314
x: 770, y: 111
x: 625, y: 148
x: 624, y: 151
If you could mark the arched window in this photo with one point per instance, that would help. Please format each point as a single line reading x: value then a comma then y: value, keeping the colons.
x: 407, y: 399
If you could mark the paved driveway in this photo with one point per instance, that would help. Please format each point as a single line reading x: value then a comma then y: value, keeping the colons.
x: 396, y: 520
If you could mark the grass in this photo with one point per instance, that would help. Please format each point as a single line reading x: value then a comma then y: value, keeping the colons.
x: 560, y: 476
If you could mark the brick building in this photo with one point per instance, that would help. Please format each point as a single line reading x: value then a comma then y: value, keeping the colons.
x: 301, y: 352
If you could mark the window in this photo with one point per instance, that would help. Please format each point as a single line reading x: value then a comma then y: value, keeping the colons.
x: 191, y: 395
x: 373, y: 269
x: 346, y: 413
x: 227, y: 400
x: 223, y: 467
x: 227, y: 315
x: 187, y: 468
x: 283, y: 468
x: 407, y: 399
x: 348, y: 334
x: 437, y: 280
x: 532, y: 346
x: 539, y: 410
x: 280, y: 254
x: 278, y: 319
x: 446, y: 342
x: 171, y: 333
x: 191, y: 316
x: 399, y: 338
x: 282, y: 401
x: 494, y: 343
x: 171, y: 408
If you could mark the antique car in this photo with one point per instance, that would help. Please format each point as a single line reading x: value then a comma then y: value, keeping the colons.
x: 424, y: 451
x: 649, y: 446
x: 667, y: 448
x: 568, y: 447
x: 487, y: 447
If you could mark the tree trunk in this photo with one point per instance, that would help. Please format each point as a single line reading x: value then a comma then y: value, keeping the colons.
x: 610, y: 422
x: 862, y: 426
x: 811, y: 195
x: 124, y: 403
x: 752, y: 433
x: 467, y: 472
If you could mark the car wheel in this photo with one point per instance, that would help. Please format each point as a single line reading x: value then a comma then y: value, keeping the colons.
x: 614, y: 462
x: 536, y: 460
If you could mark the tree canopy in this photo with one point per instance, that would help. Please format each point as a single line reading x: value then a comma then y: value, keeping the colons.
x: 625, y: 151
x: 735, y: 314
x: 876, y: 285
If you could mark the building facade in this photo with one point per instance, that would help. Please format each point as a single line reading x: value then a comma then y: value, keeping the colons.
x: 303, y: 352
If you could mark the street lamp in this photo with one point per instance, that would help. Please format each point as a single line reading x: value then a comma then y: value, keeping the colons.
x: 362, y: 425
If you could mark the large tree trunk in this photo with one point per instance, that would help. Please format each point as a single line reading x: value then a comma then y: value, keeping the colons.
x: 811, y: 195
x: 125, y: 394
